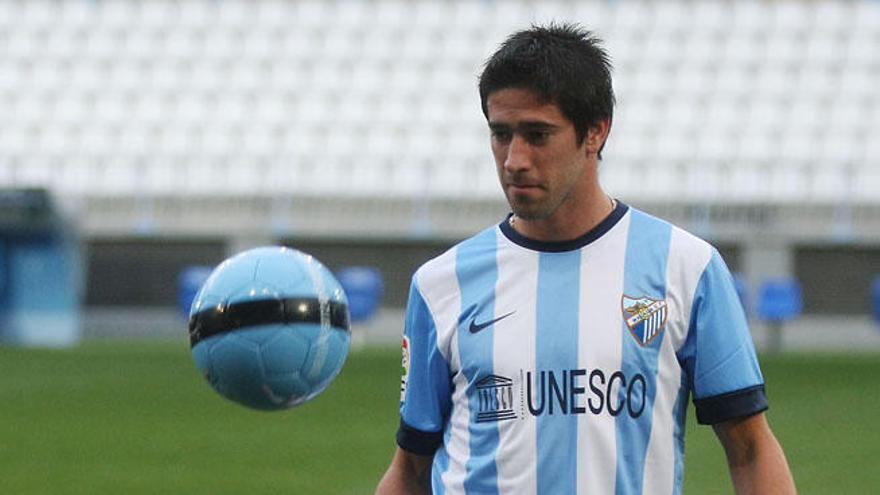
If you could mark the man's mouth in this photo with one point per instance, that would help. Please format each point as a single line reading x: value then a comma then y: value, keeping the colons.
x: 522, y: 186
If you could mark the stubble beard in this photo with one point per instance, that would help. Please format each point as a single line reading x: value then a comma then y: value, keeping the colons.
x: 530, y: 210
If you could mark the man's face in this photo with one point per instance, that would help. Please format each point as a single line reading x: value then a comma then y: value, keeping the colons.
x: 539, y: 161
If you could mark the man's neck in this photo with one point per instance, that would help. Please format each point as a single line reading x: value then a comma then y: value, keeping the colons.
x: 565, y: 226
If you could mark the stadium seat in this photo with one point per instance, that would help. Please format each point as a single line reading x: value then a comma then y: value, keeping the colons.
x: 866, y: 184
x: 189, y: 282
x: 363, y: 285
x: 875, y: 298
x: 742, y: 291
x: 779, y: 300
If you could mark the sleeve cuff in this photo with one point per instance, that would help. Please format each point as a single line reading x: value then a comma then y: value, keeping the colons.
x: 417, y: 441
x: 732, y: 405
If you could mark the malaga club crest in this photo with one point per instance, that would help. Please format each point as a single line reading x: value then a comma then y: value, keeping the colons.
x: 644, y: 317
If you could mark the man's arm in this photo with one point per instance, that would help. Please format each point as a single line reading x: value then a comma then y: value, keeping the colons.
x: 756, y: 461
x: 409, y: 474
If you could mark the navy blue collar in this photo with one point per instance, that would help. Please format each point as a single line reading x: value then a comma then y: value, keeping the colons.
x: 570, y: 245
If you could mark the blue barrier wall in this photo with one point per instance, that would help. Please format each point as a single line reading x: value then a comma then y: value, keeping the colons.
x: 41, y: 272
x: 42, y: 293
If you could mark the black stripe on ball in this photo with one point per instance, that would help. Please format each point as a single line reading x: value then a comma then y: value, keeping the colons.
x: 230, y: 317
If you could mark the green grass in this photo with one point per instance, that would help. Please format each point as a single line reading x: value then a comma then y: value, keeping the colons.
x: 136, y: 418
x: 822, y: 410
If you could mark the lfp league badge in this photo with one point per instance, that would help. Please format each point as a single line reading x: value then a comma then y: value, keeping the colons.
x: 404, y: 364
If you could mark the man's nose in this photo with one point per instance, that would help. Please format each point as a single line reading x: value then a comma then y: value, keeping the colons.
x: 518, y: 155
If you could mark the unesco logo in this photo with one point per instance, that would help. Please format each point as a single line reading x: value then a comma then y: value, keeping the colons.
x: 495, y: 394
x: 562, y: 393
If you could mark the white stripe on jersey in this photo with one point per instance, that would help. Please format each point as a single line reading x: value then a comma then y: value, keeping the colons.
x: 601, y: 288
x: 683, y: 273
x: 684, y: 267
x: 514, y: 343
x: 439, y: 286
x: 458, y: 446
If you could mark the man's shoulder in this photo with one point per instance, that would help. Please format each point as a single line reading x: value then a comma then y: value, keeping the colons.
x: 444, y: 264
x: 683, y: 244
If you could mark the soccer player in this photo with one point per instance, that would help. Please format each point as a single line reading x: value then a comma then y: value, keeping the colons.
x: 555, y: 353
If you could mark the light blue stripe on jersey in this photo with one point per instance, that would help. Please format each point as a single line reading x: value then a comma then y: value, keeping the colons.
x: 441, y: 464
x: 716, y: 308
x: 679, y: 414
x: 556, y: 349
x: 647, y: 250
x: 476, y: 281
x: 425, y: 414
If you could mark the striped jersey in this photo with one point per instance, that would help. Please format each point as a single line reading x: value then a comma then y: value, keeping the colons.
x: 556, y: 368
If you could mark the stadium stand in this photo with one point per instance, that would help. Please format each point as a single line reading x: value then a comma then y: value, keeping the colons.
x: 751, y: 122
x: 739, y: 101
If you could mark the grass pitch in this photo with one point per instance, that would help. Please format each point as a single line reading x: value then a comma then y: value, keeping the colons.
x: 136, y: 417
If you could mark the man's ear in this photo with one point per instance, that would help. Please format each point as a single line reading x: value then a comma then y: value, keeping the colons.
x: 596, y: 136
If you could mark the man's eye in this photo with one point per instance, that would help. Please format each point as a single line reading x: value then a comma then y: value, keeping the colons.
x: 502, y: 136
x: 537, y: 137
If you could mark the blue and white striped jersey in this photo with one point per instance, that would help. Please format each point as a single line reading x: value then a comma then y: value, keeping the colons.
x: 557, y: 368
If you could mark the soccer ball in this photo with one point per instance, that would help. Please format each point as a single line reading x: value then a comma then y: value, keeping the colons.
x: 269, y: 328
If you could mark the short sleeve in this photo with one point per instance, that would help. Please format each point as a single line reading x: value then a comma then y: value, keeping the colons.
x: 425, y: 386
x: 718, y: 355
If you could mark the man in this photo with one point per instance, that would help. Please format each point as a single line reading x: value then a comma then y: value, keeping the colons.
x: 555, y: 352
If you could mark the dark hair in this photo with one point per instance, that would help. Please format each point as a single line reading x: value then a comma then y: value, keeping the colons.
x: 561, y: 63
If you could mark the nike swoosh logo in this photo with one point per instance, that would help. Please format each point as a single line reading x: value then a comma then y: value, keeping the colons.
x: 476, y: 327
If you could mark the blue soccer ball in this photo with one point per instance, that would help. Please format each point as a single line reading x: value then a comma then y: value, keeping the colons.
x: 269, y: 329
